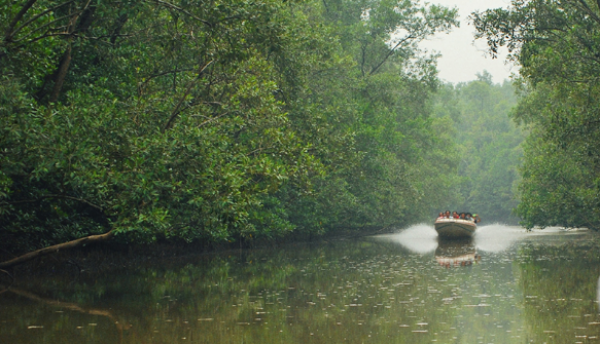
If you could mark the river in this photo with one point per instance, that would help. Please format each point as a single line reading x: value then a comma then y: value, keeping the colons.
x: 505, y: 286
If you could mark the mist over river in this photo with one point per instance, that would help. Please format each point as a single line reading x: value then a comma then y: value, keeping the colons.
x: 504, y: 286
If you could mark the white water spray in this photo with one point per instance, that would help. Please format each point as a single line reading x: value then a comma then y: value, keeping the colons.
x: 421, y: 238
x: 497, y: 237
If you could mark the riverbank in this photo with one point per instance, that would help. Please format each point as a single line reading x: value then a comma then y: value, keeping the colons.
x: 106, y: 256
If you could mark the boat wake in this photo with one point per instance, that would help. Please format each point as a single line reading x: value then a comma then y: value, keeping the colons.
x: 497, y: 237
x: 423, y: 238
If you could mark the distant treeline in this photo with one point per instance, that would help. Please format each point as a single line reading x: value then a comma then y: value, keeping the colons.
x: 489, y: 147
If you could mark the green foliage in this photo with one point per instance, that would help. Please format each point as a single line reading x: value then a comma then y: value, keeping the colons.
x: 489, y: 146
x: 214, y: 121
x: 556, y: 44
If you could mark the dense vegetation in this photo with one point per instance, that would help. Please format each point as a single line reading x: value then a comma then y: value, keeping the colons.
x: 216, y: 120
x: 488, y: 142
x: 556, y: 43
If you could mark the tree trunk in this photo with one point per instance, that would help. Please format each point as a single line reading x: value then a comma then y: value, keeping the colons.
x: 119, y: 24
x: 80, y: 23
x: 61, y: 74
x: 55, y: 248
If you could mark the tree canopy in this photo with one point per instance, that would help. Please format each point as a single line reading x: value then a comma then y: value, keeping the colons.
x: 556, y: 44
x: 216, y: 120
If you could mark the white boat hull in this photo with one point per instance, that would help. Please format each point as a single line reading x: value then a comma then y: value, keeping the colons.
x: 455, y: 228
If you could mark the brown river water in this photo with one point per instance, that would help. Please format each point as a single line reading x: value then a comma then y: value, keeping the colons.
x: 505, y: 286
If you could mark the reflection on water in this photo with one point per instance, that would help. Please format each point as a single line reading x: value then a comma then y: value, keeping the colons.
x: 452, y: 253
x: 508, y: 287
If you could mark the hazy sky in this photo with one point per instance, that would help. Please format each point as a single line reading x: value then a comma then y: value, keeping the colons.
x: 462, y: 58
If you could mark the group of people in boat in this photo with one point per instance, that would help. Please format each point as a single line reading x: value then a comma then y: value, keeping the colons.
x: 462, y: 216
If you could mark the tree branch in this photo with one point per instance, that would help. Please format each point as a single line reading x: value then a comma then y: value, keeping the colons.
x: 46, y: 35
x: 17, y: 18
x: 214, y: 118
x: 166, y: 73
x: 40, y: 15
x: 55, y: 248
x: 176, y: 111
x: 390, y: 53
x: 589, y: 10
x: 175, y: 7
x: 119, y: 24
x: 42, y: 27
x: 12, y: 278
x: 57, y: 196
x: 79, y: 22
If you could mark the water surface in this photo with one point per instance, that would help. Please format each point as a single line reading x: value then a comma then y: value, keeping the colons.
x: 505, y: 286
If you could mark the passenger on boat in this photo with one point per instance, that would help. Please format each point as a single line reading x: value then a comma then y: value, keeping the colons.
x: 463, y: 216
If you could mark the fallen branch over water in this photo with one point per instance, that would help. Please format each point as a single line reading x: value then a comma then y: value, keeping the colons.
x: 55, y: 248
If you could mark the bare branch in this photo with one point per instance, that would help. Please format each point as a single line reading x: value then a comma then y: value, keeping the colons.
x: 55, y: 248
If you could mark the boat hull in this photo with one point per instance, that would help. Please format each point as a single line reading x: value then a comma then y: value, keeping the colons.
x: 455, y: 228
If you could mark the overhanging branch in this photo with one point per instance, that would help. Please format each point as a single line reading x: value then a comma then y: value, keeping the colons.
x: 55, y: 248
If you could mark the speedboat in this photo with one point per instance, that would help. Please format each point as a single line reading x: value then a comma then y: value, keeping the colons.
x: 455, y: 228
